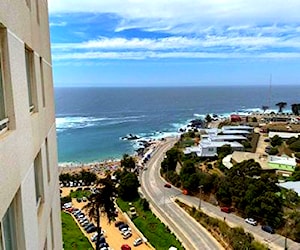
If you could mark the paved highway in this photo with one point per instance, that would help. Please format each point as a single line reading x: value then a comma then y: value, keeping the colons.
x: 191, y: 234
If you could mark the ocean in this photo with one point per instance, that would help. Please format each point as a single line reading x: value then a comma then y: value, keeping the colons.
x: 91, y: 121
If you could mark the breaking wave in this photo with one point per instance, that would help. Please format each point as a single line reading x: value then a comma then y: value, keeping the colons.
x: 80, y: 122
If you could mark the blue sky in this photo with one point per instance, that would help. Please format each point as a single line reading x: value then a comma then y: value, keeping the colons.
x: 174, y: 42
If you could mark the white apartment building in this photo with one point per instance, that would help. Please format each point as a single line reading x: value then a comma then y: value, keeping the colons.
x: 29, y: 191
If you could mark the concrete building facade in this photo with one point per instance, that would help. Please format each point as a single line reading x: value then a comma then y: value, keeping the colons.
x: 29, y: 191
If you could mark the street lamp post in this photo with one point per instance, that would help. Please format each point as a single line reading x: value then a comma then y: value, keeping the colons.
x: 200, y: 187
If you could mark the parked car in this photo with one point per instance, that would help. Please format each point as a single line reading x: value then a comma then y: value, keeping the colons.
x: 67, y: 205
x: 104, y: 244
x: 76, y: 211
x: 88, y: 225
x: 125, y: 247
x: 167, y: 185
x: 127, y: 235
x: 81, y: 221
x: 226, y: 209
x: 84, y: 223
x: 268, y: 229
x: 124, y: 225
x: 95, y: 237
x: 80, y: 216
x: 125, y: 229
x: 251, y: 221
x: 137, y: 242
x: 91, y: 229
x: 118, y: 223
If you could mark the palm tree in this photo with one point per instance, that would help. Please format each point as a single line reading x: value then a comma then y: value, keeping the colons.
x: 101, y: 202
x: 281, y: 106
x: 264, y: 108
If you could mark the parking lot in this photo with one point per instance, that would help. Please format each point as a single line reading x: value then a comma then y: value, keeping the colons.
x: 112, y: 234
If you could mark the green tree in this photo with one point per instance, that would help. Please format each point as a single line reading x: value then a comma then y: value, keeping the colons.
x: 273, y: 151
x: 187, y: 169
x: 281, y: 106
x: 145, y: 204
x: 208, y: 118
x: 291, y: 140
x: 224, y: 151
x: 171, y: 159
x: 296, y: 108
x: 191, y: 183
x: 296, y: 174
x: 295, y: 146
x: 128, y: 162
x: 128, y: 188
x: 174, y: 178
x: 87, y: 177
x: 101, y: 202
x: 276, y: 141
x: 264, y: 108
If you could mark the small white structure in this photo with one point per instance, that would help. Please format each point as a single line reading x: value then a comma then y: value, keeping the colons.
x: 248, y: 128
x: 209, y: 148
x: 283, y: 135
x: 294, y: 185
x: 235, y: 132
x: 227, y: 138
x: 227, y: 161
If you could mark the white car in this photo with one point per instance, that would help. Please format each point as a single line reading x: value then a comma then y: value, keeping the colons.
x: 126, y: 235
x: 137, y: 242
x: 126, y: 229
x: 251, y: 221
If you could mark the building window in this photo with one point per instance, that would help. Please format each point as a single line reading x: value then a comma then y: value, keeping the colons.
x: 29, y: 60
x: 47, y: 160
x: 12, y: 236
x: 38, y: 177
x: 42, y: 80
x: 3, y: 114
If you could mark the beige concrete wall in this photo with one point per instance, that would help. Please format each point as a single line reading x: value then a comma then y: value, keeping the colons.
x: 28, y: 131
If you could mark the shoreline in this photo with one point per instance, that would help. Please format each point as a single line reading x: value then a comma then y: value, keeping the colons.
x: 101, y: 167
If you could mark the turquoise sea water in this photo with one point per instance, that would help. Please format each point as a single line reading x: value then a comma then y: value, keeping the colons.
x: 90, y: 121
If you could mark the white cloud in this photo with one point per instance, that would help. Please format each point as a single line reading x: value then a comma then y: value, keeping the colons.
x: 141, y: 55
x: 183, y: 43
x: 58, y: 24
x: 202, y: 13
x: 197, y: 29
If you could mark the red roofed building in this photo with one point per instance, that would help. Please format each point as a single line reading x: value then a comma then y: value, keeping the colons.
x: 235, y: 118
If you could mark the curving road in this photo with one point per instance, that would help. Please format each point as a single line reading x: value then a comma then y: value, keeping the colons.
x: 191, y: 234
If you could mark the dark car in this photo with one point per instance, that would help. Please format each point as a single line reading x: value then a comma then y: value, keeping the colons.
x: 91, y: 229
x: 167, y: 185
x: 226, y: 209
x: 118, y: 223
x: 123, y: 226
x: 104, y: 245
x: 268, y: 229
x: 88, y: 225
